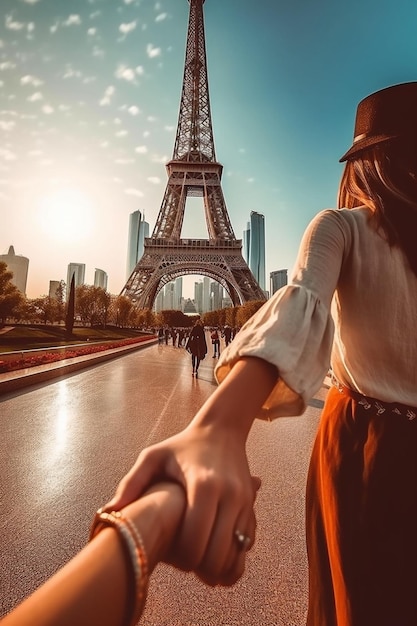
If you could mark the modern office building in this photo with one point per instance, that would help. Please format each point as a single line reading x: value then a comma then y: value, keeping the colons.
x: 100, y: 279
x: 53, y: 288
x: 278, y: 279
x: 254, y: 247
x: 77, y: 270
x: 198, y: 296
x: 138, y: 230
x: 19, y: 266
x: 216, y: 292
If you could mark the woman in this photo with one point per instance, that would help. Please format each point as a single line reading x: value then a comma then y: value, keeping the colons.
x: 351, y: 304
x: 197, y: 346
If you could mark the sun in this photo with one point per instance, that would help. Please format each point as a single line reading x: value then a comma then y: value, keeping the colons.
x: 66, y: 215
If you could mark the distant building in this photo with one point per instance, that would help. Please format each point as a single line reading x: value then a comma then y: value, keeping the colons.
x: 77, y: 270
x: 53, y: 287
x: 278, y: 279
x: 189, y: 307
x: 254, y: 247
x: 138, y: 230
x: 100, y: 279
x: 19, y: 266
x: 216, y: 292
x: 198, y: 296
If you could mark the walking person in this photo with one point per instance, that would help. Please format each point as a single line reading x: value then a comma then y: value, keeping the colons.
x: 351, y: 304
x: 197, y: 345
x: 227, y: 333
x: 215, y: 340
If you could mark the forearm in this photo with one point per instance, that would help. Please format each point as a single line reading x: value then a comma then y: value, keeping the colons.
x: 93, y: 587
x: 237, y: 400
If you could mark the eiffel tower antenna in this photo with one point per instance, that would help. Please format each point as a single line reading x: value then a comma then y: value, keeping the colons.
x: 193, y: 171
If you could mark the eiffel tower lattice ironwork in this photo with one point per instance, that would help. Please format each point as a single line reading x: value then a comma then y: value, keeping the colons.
x: 193, y: 171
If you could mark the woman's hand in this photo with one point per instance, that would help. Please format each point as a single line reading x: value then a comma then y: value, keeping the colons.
x: 208, y: 459
x: 220, y: 493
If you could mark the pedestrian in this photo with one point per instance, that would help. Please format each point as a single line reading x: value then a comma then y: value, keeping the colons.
x: 227, y: 332
x: 197, y: 346
x: 166, y: 334
x: 215, y: 340
x: 160, y: 335
x: 352, y: 304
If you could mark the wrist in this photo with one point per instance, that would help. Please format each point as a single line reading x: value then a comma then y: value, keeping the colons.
x: 236, y: 402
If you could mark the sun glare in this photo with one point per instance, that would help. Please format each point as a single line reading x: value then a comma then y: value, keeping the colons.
x: 66, y: 215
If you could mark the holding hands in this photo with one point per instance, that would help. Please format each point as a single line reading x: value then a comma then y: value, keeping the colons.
x: 208, y: 459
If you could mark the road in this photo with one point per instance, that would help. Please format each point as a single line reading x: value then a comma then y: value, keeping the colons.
x: 65, y: 445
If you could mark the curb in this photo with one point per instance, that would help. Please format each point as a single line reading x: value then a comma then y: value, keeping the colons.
x: 19, y: 379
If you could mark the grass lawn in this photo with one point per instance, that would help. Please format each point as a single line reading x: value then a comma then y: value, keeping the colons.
x: 23, y: 337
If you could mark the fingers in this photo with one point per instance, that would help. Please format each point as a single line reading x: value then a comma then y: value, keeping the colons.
x: 151, y: 466
x: 232, y: 535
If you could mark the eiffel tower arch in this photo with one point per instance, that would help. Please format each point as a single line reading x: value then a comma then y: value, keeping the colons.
x: 193, y: 171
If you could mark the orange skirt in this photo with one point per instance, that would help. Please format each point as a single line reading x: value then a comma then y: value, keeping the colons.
x: 361, y: 514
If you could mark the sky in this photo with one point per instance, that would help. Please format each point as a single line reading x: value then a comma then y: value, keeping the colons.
x: 89, y: 102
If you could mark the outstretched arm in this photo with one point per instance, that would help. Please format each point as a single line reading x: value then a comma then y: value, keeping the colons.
x: 93, y: 587
x: 209, y: 459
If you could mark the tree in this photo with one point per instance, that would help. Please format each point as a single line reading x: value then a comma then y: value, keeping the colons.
x: 121, y: 309
x: 246, y: 311
x: 10, y: 297
x: 45, y: 309
x: 60, y: 298
x: 69, y: 318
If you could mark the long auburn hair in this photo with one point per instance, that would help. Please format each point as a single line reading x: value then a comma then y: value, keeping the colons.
x: 383, y: 178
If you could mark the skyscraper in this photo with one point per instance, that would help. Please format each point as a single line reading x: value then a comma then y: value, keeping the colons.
x: 100, y: 279
x: 278, y: 279
x: 254, y: 247
x: 138, y: 230
x: 19, y: 265
x: 78, y: 270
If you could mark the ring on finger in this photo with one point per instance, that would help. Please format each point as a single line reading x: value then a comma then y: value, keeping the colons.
x: 243, y: 541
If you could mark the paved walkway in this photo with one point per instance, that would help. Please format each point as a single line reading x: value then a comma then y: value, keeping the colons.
x: 65, y: 444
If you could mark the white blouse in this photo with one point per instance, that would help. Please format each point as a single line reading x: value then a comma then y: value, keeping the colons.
x: 351, y: 304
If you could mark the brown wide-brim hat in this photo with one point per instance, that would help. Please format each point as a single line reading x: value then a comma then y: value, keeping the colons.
x: 383, y: 116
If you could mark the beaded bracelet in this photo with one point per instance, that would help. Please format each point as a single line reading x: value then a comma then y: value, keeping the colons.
x: 135, y: 553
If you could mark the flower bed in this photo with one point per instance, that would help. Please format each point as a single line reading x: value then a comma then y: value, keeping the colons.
x: 22, y: 361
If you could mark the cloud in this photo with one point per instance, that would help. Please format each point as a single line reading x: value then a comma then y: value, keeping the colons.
x: 98, y: 52
x: 155, y: 180
x: 35, y: 97
x: 106, y: 99
x: 31, y: 1
x: 7, y: 65
x: 152, y: 52
x: 124, y: 161
x: 134, y: 192
x: 121, y: 133
x: 47, y: 109
x: 92, y: 31
x: 127, y: 28
x: 7, y: 126
x: 72, y: 20
x: 157, y: 158
x: 141, y: 149
x: 161, y: 17
x: 134, y: 110
x: 7, y: 155
x: 125, y: 73
x: 12, y: 25
x: 31, y: 80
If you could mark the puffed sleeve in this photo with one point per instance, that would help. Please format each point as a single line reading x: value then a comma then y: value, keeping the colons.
x: 294, y: 329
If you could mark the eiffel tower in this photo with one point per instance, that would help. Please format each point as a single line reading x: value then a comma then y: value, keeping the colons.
x: 193, y: 172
